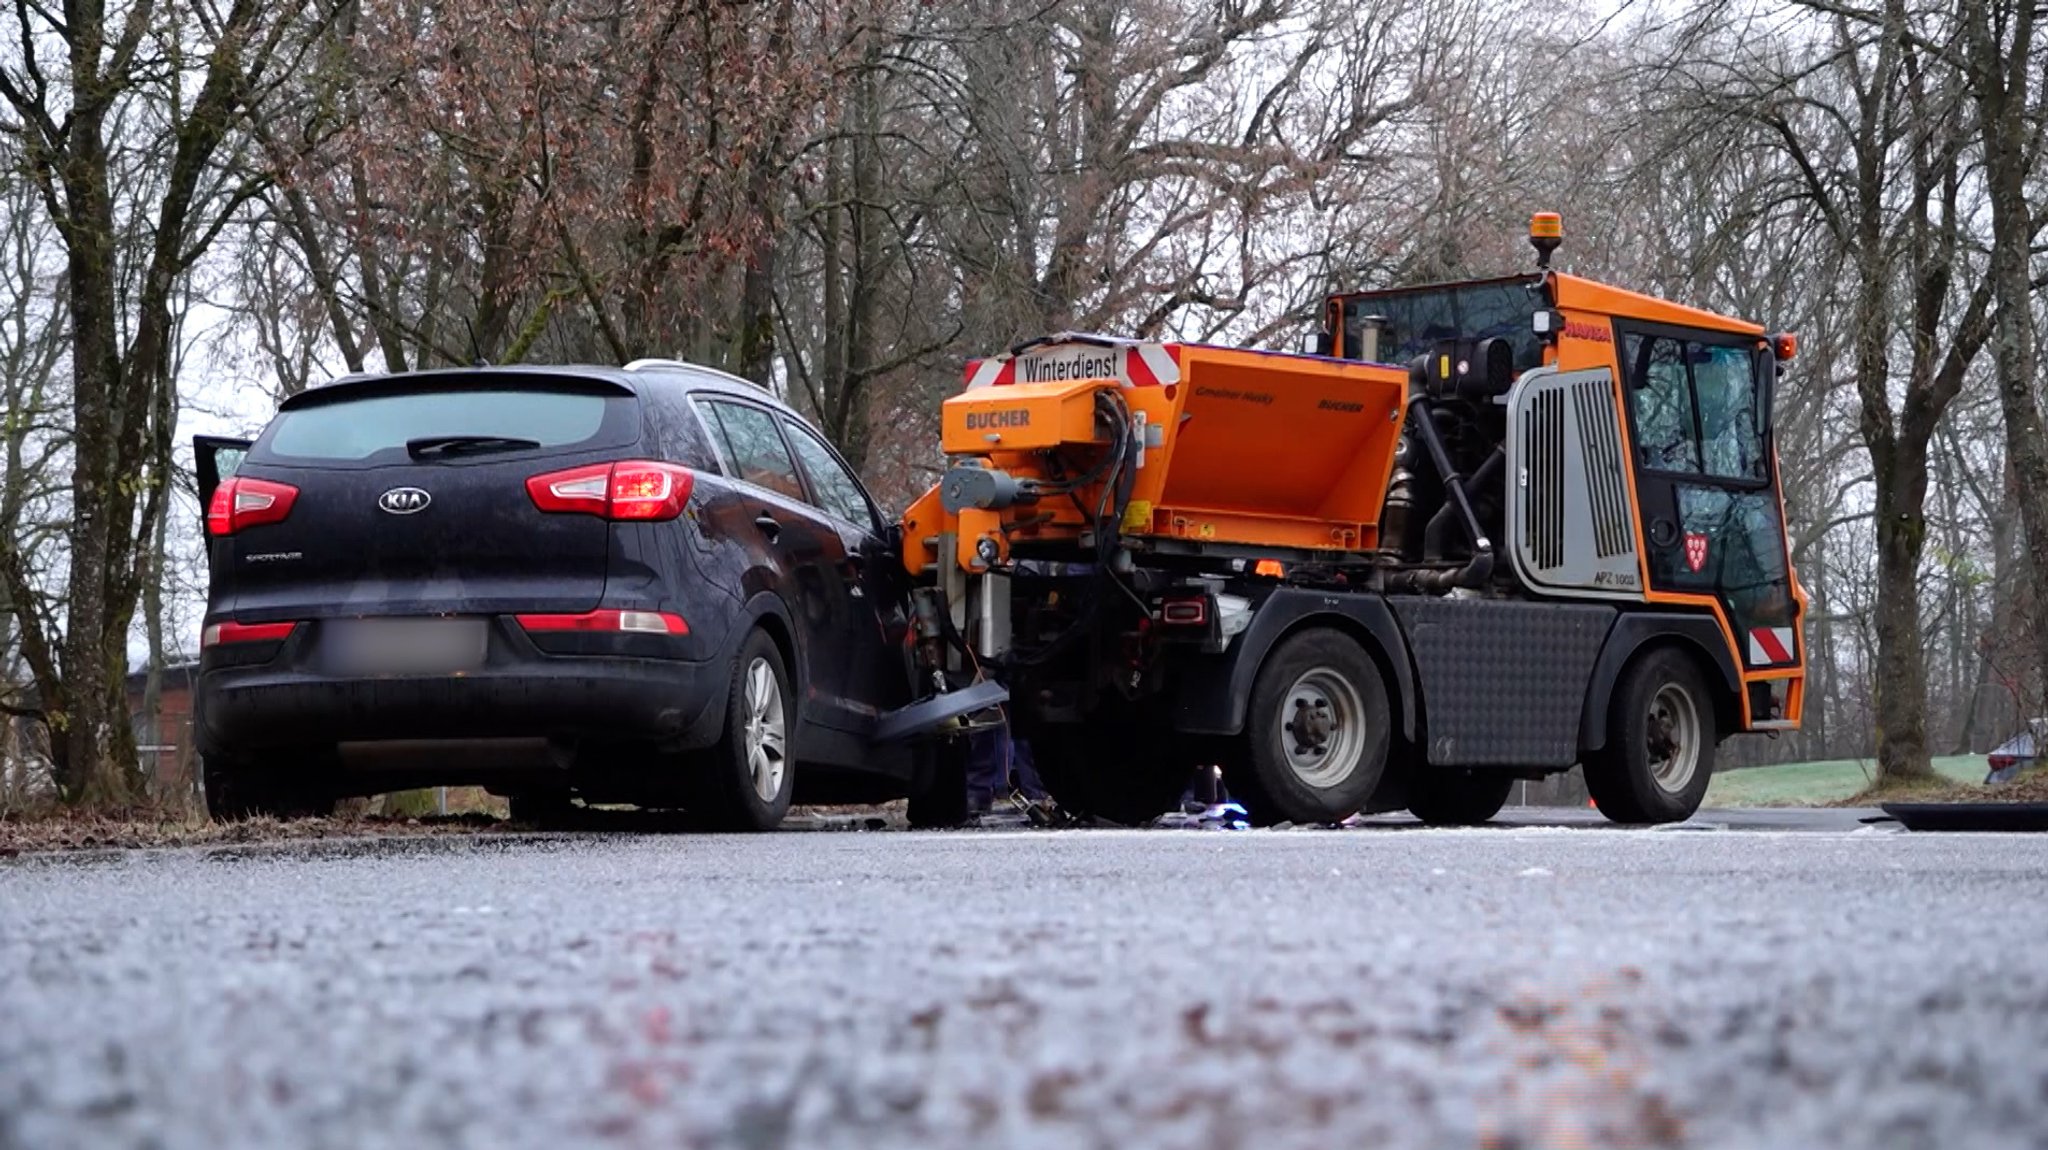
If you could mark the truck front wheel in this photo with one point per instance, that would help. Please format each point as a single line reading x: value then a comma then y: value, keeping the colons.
x: 1659, y: 755
x: 1316, y: 735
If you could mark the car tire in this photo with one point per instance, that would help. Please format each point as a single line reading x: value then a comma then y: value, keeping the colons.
x: 747, y: 780
x: 1661, y: 737
x: 1316, y: 733
x: 238, y: 789
x: 938, y: 799
x: 1456, y: 797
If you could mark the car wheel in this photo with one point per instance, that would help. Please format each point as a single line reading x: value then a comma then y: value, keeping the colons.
x: 239, y: 789
x: 1455, y: 797
x: 1316, y: 735
x: 1661, y: 737
x: 747, y: 784
x: 939, y: 797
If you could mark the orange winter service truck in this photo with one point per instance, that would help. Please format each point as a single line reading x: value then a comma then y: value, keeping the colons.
x: 1476, y: 532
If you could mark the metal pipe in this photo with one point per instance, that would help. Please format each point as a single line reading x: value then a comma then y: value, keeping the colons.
x: 1476, y: 572
x: 1440, y: 523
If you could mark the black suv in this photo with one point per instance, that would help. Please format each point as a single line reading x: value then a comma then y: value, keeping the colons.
x: 652, y: 584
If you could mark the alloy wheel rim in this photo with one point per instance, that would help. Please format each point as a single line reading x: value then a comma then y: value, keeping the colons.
x: 1322, y: 728
x: 766, y: 730
x: 1671, y: 737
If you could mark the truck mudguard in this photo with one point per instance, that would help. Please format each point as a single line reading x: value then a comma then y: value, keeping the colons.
x: 1214, y: 691
x: 1700, y: 634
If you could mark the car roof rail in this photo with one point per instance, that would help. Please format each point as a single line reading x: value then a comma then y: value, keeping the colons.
x: 659, y: 363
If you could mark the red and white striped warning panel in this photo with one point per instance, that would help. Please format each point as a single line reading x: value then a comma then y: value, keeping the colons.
x: 1129, y: 362
x: 1769, y: 646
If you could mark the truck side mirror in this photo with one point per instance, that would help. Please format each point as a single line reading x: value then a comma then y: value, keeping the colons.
x: 1315, y: 343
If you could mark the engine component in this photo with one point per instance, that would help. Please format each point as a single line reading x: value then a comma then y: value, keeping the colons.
x: 971, y: 487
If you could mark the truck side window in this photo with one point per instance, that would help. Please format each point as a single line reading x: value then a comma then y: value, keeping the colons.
x: 1667, y: 431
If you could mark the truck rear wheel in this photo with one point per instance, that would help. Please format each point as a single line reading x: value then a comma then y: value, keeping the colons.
x: 1451, y: 797
x: 1659, y: 755
x: 1316, y: 735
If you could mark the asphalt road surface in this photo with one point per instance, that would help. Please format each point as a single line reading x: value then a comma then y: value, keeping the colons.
x: 1505, y: 987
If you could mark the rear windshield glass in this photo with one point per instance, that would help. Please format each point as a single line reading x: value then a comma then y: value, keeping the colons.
x: 359, y: 428
x: 1416, y: 319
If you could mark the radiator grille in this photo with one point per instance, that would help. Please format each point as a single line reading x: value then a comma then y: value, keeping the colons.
x: 1601, y: 440
x: 1543, y: 447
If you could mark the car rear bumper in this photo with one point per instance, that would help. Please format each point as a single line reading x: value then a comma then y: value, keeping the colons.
x: 285, y: 701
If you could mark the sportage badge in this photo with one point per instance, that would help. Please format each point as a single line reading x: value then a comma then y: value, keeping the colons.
x: 404, y: 500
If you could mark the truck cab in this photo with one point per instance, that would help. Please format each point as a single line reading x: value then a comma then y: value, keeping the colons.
x: 1639, y: 461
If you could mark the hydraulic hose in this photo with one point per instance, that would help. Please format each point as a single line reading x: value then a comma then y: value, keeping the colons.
x: 1479, y: 569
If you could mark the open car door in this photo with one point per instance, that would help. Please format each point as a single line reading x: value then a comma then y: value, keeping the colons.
x: 215, y: 459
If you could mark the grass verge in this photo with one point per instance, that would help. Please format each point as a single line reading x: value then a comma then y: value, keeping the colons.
x: 1820, y: 784
x: 2030, y: 787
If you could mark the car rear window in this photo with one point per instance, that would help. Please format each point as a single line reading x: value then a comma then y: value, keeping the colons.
x: 359, y: 427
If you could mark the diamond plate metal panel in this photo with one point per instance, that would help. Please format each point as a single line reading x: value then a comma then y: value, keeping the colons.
x: 1502, y: 682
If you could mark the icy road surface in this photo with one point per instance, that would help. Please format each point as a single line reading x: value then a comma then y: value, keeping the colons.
x: 1404, y: 988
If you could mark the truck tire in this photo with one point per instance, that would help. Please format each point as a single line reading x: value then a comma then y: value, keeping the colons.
x: 1316, y: 732
x: 1455, y: 797
x: 1659, y: 755
x: 1116, y: 766
x: 238, y: 789
x: 745, y: 781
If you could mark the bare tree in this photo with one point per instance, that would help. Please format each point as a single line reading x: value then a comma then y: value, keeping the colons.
x: 2002, y: 63
x: 1875, y: 130
x: 103, y: 107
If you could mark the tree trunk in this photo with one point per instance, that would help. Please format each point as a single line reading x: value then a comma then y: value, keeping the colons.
x: 1823, y: 696
x: 93, y: 755
x: 1901, y: 681
x: 2001, y: 79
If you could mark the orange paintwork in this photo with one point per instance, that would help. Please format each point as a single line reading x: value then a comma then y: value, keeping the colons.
x: 1022, y: 417
x: 1589, y: 310
x: 1584, y: 295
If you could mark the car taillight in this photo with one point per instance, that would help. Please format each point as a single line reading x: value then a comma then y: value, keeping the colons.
x: 609, y: 619
x: 228, y: 631
x: 633, y: 489
x: 241, y: 502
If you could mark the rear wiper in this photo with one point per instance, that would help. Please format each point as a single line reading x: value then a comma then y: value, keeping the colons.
x: 430, y: 445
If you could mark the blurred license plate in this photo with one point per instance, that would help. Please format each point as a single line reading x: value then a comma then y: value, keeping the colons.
x: 404, y: 646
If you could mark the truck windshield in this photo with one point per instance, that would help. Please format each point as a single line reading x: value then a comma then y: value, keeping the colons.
x: 1419, y: 317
